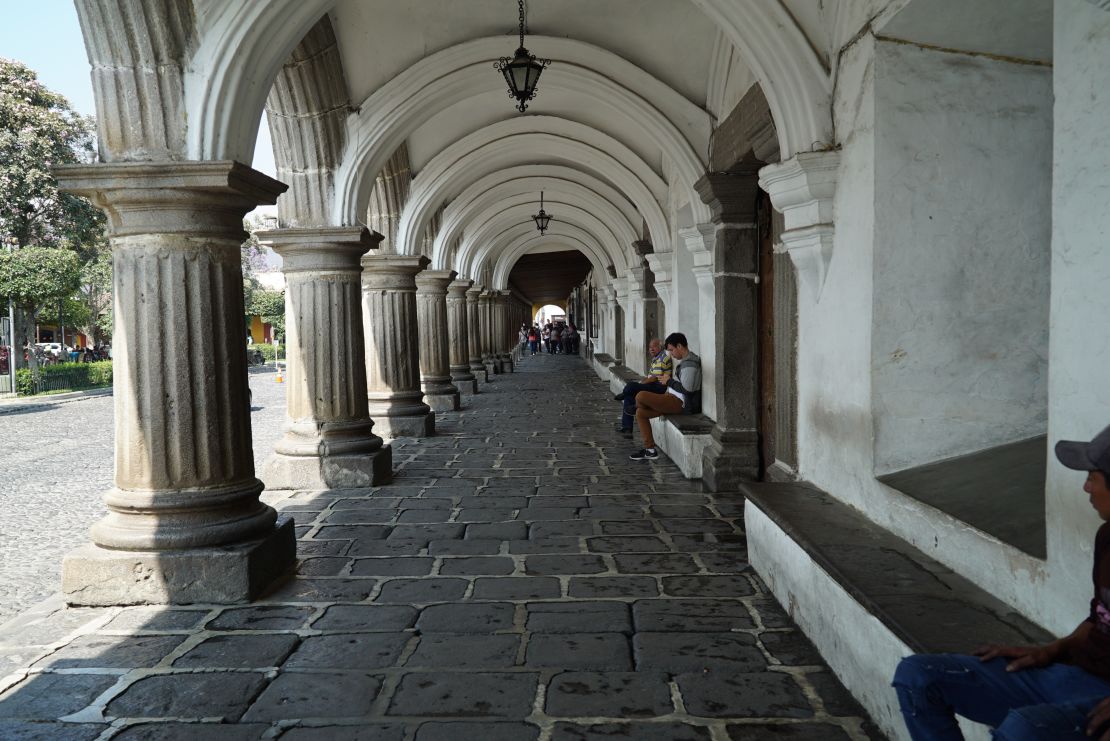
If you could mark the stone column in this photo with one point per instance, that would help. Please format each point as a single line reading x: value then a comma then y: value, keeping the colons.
x: 184, y: 521
x: 503, y: 348
x: 474, y: 333
x: 458, y: 337
x: 392, y: 342
x: 733, y: 455
x: 328, y: 442
x: 485, y: 320
x: 435, y: 367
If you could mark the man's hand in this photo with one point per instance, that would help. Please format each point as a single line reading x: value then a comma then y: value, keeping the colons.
x: 664, y: 378
x: 1024, y: 657
x: 1098, y: 718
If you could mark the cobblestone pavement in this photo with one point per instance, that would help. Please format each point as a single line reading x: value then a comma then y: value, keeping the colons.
x: 521, y: 579
x: 57, y: 464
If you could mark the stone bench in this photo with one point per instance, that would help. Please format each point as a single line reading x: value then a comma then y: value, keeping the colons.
x: 865, y: 597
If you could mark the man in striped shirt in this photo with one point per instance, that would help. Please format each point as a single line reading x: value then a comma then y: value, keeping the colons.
x: 661, y: 364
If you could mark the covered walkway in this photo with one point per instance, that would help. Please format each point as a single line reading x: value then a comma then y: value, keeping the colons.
x: 519, y: 579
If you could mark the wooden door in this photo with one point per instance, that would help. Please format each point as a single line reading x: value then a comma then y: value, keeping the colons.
x: 766, y: 314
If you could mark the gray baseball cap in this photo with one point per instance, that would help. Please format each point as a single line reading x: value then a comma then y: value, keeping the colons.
x: 1086, y: 456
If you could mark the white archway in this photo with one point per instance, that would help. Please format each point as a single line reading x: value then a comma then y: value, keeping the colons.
x: 525, y: 140
x: 528, y: 178
x: 520, y: 241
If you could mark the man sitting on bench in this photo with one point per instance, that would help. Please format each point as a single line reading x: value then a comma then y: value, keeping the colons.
x: 661, y: 365
x: 1053, y: 692
x: 682, y: 394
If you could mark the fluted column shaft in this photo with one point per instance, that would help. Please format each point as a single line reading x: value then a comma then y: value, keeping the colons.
x: 458, y: 337
x: 486, y: 317
x: 474, y: 332
x: 503, y: 348
x: 435, y: 366
x: 184, y: 464
x: 328, y: 442
x: 392, y: 345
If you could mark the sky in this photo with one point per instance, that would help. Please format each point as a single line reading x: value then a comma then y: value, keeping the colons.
x: 46, y: 36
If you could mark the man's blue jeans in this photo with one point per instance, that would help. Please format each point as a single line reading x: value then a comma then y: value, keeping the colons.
x: 1049, y: 704
x: 628, y: 409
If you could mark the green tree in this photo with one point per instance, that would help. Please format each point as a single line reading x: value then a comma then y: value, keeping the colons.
x: 95, y: 293
x: 35, y: 278
x: 39, y: 130
x: 270, y: 305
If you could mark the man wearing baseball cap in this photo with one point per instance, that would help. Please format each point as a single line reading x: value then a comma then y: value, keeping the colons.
x: 1058, y: 691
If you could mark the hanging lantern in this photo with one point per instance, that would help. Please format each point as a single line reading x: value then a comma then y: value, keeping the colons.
x: 543, y: 218
x: 522, y: 72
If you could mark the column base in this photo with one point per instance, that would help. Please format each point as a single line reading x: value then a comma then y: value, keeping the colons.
x: 506, y: 364
x: 99, y: 577
x: 422, y: 425
x: 727, y: 464
x: 329, y: 471
x: 492, y: 368
x: 468, y: 387
x: 448, y: 402
x: 479, y: 371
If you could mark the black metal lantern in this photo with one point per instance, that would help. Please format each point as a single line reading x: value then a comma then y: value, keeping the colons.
x: 543, y: 218
x: 522, y: 72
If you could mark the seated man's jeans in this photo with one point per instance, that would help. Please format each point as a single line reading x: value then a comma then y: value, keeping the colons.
x: 629, y: 404
x: 1046, y: 704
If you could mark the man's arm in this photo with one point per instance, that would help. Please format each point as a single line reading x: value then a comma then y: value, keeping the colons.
x: 1027, y: 657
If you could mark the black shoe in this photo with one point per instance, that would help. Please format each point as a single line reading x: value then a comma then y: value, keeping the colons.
x: 624, y: 430
x: 644, y: 455
x: 618, y: 397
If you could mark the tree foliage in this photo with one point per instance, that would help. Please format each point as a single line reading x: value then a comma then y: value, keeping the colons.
x: 39, y: 130
x: 37, y: 277
x: 270, y: 305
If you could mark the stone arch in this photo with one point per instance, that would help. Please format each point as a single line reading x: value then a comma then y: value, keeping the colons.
x: 307, y: 110
x: 797, y: 85
x: 139, y: 83
x: 495, y: 201
x: 517, y: 141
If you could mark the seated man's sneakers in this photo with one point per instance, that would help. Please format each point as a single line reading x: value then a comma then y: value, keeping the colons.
x: 644, y: 454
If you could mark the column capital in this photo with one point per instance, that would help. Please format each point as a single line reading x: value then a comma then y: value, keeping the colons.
x: 191, y: 198
x: 389, y: 271
x: 435, y: 281
x: 802, y: 189
x: 642, y: 247
x: 699, y: 240
x: 731, y: 196
x: 459, y: 287
x: 315, y: 249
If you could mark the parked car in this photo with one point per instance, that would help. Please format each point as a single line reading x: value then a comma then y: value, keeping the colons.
x: 55, y: 350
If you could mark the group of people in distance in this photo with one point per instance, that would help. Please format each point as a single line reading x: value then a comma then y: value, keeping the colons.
x: 672, y: 386
x: 556, y: 337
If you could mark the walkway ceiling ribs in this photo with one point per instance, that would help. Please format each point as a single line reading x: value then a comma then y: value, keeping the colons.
x: 516, y: 142
x: 634, y: 99
x: 523, y: 238
x: 487, y: 239
x: 473, y: 206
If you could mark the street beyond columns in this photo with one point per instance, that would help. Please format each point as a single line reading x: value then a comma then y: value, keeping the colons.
x: 520, y: 579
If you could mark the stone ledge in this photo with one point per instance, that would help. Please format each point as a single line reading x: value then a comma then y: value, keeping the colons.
x: 684, y: 438
x: 865, y: 597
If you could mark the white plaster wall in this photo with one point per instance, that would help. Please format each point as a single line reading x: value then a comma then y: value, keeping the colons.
x: 685, y: 317
x: 1079, y: 350
x: 835, y: 429
x: 963, y: 149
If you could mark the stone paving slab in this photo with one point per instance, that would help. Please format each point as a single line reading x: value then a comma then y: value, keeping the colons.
x: 521, y: 579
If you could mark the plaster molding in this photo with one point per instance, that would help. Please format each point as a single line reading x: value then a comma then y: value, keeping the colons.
x: 1102, y: 4
x: 802, y: 189
x: 699, y: 241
